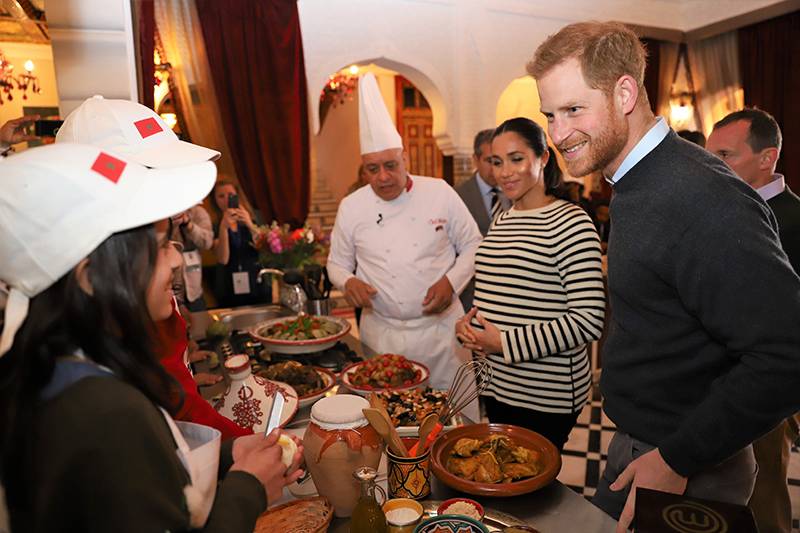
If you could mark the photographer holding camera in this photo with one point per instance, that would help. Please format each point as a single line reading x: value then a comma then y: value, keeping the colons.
x: 237, y: 259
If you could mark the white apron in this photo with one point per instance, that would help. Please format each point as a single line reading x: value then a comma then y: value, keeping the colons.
x: 198, y: 449
x: 429, y: 339
x: 198, y: 446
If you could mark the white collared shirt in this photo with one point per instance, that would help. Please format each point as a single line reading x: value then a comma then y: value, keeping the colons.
x: 773, y: 188
x: 486, y: 192
x: 646, y: 144
x: 403, y: 246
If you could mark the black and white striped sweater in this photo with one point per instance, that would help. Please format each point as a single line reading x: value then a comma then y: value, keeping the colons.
x: 539, y: 280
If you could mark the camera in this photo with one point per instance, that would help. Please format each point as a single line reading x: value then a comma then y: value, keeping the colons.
x: 233, y: 201
x: 46, y: 128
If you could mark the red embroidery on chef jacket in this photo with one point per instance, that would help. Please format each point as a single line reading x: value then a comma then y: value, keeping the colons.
x: 437, y: 221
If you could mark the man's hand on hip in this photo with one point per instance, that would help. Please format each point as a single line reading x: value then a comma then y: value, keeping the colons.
x: 438, y: 297
x: 651, y: 472
x: 359, y: 293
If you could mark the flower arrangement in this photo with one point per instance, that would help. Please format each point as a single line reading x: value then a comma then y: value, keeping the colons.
x: 283, y: 248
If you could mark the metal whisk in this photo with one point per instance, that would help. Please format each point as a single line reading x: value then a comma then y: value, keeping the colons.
x: 470, y: 381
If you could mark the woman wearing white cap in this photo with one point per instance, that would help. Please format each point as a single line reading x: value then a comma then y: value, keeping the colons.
x: 87, y: 444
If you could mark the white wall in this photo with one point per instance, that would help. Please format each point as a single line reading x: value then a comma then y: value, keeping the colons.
x: 462, y: 54
x: 93, y: 49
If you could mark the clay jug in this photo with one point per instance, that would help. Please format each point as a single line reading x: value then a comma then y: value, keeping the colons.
x: 339, y: 440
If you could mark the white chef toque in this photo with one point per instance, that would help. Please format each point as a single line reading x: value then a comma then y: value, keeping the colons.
x: 61, y: 201
x: 375, y: 126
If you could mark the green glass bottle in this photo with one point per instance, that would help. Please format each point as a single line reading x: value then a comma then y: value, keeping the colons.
x: 368, y: 516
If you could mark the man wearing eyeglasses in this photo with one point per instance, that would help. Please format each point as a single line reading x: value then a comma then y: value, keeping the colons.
x: 402, y: 249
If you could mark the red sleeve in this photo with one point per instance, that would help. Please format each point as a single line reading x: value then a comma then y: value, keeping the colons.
x: 170, y: 349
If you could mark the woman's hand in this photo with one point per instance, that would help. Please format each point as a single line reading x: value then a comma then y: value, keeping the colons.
x: 482, y: 342
x: 243, y: 216
x: 261, y: 457
x: 229, y: 219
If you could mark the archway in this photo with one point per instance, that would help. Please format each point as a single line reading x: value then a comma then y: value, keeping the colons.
x: 334, y: 110
x: 427, y: 84
x: 520, y: 98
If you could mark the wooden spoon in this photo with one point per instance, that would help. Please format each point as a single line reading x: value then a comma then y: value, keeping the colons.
x: 425, y: 427
x: 385, y: 430
x: 377, y: 403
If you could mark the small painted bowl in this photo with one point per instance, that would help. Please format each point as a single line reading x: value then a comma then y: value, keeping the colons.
x: 451, y: 524
x: 402, y: 526
x: 444, y: 507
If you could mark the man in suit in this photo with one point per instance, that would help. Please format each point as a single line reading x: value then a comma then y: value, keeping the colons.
x: 749, y: 141
x: 482, y: 196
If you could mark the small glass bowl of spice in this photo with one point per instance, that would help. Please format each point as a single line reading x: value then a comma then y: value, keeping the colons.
x: 462, y: 506
x: 402, y: 514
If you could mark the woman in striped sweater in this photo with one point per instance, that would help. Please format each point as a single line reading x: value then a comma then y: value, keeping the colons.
x: 538, y: 292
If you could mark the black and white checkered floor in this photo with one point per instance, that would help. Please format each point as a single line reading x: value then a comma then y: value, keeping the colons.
x: 585, y: 453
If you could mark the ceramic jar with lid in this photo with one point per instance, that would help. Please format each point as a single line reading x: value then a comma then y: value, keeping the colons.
x: 248, y: 399
x: 339, y: 440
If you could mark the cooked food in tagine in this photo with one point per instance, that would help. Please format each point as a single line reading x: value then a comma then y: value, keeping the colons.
x: 495, y: 459
x: 303, y: 378
x: 387, y: 370
x: 301, y: 328
x: 410, y: 407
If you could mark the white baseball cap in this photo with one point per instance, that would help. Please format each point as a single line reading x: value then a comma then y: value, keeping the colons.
x: 133, y: 131
x: 59, y: 202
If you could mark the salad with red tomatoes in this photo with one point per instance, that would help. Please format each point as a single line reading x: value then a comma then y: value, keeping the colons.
x: 385, y: 371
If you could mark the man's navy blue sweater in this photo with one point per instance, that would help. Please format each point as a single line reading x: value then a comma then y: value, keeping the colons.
x: 703, y: 352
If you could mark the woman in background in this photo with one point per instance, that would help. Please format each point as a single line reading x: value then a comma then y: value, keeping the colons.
x: 538, y: 292
x: 237, y: 279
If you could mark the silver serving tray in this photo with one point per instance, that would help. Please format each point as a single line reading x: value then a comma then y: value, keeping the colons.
x: 493, y: 520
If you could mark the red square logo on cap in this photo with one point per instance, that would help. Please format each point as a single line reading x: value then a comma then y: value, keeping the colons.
x: 109, y: 167
x: 148, y: 127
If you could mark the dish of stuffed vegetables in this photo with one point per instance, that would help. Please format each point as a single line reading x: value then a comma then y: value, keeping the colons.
x: 410, y: 407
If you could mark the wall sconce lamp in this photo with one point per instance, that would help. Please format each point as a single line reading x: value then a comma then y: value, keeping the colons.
x: 682, y: 96
x: 681, y: 108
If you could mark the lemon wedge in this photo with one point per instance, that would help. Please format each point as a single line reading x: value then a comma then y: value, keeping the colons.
x: 288, y: 449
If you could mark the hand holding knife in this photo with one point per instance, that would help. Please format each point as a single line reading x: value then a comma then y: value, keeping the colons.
x: 275, y: 412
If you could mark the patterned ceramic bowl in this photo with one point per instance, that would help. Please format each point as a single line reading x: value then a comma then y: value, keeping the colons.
x: 444, y: 509
x: 451, y: 524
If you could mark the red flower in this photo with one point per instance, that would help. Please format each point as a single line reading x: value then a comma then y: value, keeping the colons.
x: 297, y: 234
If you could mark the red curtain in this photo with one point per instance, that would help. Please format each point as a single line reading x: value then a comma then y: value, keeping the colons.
x: 255, y: 52
x: 146, y: 19
x: 769, y: 59
x: 651, y: 71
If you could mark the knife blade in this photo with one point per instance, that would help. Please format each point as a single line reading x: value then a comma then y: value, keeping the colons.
x: 275, y: 412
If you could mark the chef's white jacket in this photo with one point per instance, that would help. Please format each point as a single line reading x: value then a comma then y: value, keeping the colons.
x: 403, y: 246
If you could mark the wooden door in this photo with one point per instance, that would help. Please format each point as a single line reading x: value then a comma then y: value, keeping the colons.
x: 415, y: 124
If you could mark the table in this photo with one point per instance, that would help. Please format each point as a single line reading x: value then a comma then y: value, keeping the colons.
x: 554, y: 508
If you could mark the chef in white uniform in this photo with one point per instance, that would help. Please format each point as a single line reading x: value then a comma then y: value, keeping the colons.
x: 403, y: 248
